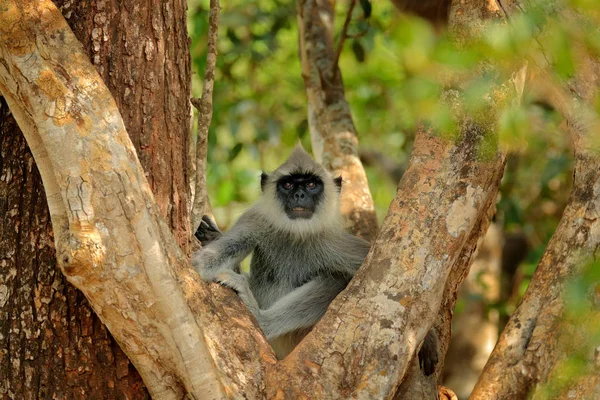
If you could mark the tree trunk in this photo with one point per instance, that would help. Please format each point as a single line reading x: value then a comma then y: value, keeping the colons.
x: 141, y: 51
x: 52, y: 345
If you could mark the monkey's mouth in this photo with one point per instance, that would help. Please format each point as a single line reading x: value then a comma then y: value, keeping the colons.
x: 300, y: 212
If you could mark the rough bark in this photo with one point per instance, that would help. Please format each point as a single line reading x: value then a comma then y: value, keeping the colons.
x: 141, y: 51
x: 540, y: 335
x: 475, y: 328
x: 110, y: 238
x: 535, y: 340
x: 468, y: 19
x: 53, y: 344
x: 332, y: 130
x: 527, y: 350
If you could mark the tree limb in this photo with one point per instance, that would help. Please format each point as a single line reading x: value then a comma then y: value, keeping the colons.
x: 534, y: 342
x: 332, y: 130
x: 204, y: 105
x: 343, y: 34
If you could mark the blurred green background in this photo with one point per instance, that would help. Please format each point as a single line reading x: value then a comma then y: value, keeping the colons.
x: 392, y: 72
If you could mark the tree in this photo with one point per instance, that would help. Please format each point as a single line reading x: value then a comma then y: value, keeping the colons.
x: 53, y: 344
x: 189, y: 338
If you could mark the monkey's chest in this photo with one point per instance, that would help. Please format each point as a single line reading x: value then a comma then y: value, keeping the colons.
x: 277, y: 270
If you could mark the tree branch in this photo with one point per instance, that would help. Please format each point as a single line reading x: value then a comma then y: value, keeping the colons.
x: 332, y: 130
x: 533, y: 343
x: 343, y: 34
x: 204, y: 105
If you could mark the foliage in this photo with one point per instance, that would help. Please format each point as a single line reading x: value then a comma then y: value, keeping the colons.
x: 395, y: 68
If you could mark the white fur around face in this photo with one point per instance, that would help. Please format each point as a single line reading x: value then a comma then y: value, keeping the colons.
x: 327, y: 214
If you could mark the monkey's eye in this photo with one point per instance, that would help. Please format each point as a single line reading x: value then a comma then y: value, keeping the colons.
x: 311, y: 185
x: 288, y: 185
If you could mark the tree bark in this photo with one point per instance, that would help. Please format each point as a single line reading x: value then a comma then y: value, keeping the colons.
x: 53, y: 345
x: 528, y: 348
x: 468, y: 20
x: 475, y: 328
x: 204, y: 106
x: 141, y: 51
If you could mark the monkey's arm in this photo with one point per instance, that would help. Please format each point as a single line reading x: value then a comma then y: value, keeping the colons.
x: 224, y: 252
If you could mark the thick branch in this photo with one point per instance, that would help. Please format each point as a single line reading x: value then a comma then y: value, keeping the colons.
x: 111, y: 241
x: 205, y: 109
x: 332, y: 131
x: 468, y: 20
x: 532, y: 333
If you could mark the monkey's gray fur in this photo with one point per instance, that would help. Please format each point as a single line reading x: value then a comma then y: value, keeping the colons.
x: 298, y: 265
x: 299, y: 262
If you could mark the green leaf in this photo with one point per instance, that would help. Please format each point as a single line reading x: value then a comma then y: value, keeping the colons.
x: 367, y: 8
x: 234, y: 152
x: 359, y: 51
x: 225, y: 192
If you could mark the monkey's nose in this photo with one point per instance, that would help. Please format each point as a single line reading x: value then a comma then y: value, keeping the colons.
x: 299, y: 195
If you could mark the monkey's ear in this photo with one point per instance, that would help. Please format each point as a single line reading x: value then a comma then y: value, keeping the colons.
x: 338, y: 183
x: 263, y: 181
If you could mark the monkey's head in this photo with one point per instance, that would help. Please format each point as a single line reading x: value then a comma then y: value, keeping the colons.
x: 300, y: 196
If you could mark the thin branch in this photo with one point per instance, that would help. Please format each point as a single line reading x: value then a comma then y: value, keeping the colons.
x: 204, y: 105
x: 343, y: 36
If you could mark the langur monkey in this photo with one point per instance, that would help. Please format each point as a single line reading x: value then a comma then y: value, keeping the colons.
x: 301, y: 255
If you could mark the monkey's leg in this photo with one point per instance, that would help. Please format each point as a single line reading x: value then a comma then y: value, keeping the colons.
x: 301, y: 308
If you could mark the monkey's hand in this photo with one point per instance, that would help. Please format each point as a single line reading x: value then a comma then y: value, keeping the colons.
x: 428, y: 355
x: 239, y: 284
x: 208, y: 231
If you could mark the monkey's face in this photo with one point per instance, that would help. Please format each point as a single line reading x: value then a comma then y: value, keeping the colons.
x: 300, y: 194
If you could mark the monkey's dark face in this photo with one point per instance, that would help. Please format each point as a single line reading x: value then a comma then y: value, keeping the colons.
x: 300, y: 194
